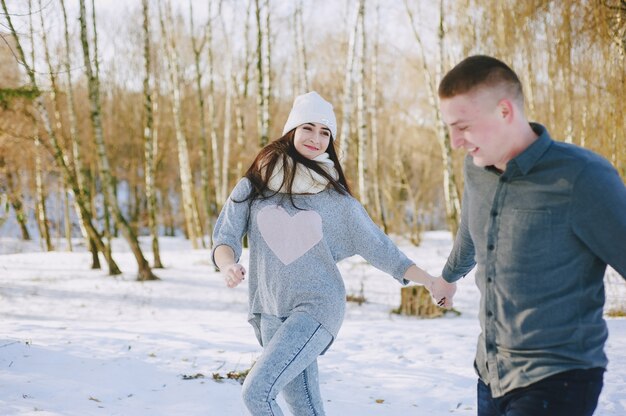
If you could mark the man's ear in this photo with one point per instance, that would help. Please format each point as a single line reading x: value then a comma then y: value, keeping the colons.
x: 506, y: 109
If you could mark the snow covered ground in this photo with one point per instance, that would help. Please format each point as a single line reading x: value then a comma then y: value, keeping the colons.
x: 77, y: 342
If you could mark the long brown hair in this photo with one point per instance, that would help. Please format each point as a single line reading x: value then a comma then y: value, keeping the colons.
x: 279, y: 151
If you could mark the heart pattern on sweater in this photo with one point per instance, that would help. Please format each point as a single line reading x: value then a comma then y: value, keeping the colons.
x: 289, y: 237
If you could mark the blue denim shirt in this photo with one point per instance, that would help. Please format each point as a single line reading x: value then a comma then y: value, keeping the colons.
x: 540, y: 235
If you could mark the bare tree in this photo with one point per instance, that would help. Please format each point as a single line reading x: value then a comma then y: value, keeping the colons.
x: 451, y: 194
x: 15, y: 199
x: 215, y: 155
x: 243, y: 82
x: 149, y: 141
x: 186, y: 179
x: 373, y: 113
x: 78, y: 169
x: 363, y: 154
x: 204, y: 156
x: 344, y: 133
x: 108, y: 225
x: 144, y: 271
x: 57, y: 151
x: 263, y: 70
x: 40, y: 192
x: 42, y: 212
x: 301, y: 57
x: 66, y: 213
x: 229, y: 81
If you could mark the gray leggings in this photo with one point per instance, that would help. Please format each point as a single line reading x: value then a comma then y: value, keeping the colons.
x: 289, y: 364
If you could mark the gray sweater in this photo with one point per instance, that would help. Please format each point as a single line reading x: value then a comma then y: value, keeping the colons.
x: 293, y: 253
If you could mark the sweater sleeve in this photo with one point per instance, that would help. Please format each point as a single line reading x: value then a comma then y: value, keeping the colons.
x: 232, y: 223
x: 373, y: 245
x: 599, y: 213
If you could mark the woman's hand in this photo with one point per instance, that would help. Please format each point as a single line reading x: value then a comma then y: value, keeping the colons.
x: 422, y: 277
x: 443, y: 292
x: 233, y: 274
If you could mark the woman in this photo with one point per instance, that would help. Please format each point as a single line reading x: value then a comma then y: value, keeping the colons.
x: 295, y: 205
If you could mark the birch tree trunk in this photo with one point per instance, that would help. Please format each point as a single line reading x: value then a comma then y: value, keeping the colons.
x: 107, y: 200
x: 263, y: 70
x: 41, y: 211
x: 450, y: 189
x: 149, y: 150
x: 204, y: 156
x: 566, y: 71
x: 373, y: 110
x: 215, y: 155
x: 66, y: 214
x: 59, y: 156
x: 363, y: 165
x: 621, y: 162
x: 344, y: 133
x: 267, y: 69
x: 15, y: 200
x: 227, y: 129
x: 415, y: 233
x: 83, y: 188
x: 301, y: 61
x: 186, y: 179
x: 229, y: 81
x: 242, y: 90
x: 4, y: 193
x: 144, y: 271
x: 551, y: 73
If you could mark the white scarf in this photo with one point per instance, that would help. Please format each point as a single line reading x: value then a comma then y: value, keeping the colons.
x: 306, y: 181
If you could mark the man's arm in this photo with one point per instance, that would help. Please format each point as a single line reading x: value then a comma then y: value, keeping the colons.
x: 462, y: 257
x: 599, y: 213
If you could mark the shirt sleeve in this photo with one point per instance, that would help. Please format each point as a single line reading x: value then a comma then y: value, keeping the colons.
x: 232, y: 223
x: 599, y: 213
x: 373, y: 245
x: 462, y: 258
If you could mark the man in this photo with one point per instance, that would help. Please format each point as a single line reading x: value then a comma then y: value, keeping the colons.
x: 541, y: 220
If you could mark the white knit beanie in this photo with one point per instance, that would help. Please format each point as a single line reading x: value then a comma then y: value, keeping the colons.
x: 311, y: 108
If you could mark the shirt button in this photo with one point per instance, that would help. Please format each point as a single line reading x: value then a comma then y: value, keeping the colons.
x: 494, y: 213
x: 490, y: 247
x: 489, y: 280
x: 489, y: 314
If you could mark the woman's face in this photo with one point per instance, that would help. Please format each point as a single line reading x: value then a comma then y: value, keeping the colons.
x: 311, y: 139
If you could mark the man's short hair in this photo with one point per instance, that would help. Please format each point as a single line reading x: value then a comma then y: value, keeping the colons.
x: 480, y: 71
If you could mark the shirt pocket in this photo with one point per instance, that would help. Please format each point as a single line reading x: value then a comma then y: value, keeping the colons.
x: 526, y: 242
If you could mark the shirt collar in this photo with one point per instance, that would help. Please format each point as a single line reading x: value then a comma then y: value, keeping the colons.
x: 526, y: 160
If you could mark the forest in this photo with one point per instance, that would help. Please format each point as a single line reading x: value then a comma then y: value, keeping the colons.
x: 137, y: 118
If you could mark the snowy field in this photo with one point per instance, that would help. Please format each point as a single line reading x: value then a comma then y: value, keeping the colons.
x: 77, y: 342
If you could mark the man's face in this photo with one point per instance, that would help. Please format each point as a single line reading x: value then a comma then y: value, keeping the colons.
x: 476, y: 122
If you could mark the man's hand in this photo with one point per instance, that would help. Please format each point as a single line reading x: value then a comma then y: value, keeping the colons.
x: 443, y: 292
x: 234, y: 274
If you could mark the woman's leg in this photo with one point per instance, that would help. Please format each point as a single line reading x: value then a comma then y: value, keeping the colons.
x: 292, y: 348
x: 304, y: 390
x: 303, y: 395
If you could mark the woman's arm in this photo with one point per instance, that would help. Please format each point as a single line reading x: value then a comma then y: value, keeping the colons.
x: 230, y: 227
x: 233, y: 272
x: 419, y: 276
